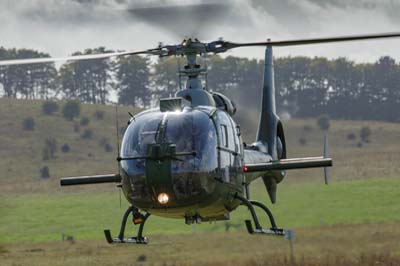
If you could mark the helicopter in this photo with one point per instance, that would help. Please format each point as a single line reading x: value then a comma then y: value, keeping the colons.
x: 185, y: 159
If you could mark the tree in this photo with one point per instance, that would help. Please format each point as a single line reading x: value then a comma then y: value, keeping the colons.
x: 323, y: 122
x: 223, y: 73
x: 365, y: 133
x: 65, y: 148
x: 71, y: 109
x: 133, y: 81
x: 32, y: 81
x: 28, y: 124
x: 87, y: 80
x: 165, y: 77
x: 49, y: 107
x: 49, y: 149
x: 87, y: 134
x: 84, y: 121
x: 44, y: 172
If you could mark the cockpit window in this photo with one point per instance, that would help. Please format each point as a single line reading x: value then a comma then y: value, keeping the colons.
x: 141, y: 132
x: 181, y: 131
x: 191, y: 131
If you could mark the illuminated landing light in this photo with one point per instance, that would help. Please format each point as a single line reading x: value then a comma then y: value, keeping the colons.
x: 163, y: 198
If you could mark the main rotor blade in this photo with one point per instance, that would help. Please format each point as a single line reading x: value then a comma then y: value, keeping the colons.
x: 73, y: 58
x: 316, y: 40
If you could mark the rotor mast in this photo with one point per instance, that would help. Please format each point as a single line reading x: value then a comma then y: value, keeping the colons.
x: 192, y: 70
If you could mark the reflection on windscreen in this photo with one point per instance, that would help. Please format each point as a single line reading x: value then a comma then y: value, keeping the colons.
x: 146, y: 137
x: 190, y: 131
x: 141, y: 132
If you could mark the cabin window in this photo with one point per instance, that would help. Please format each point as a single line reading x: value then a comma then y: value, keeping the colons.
x: 224, y: 136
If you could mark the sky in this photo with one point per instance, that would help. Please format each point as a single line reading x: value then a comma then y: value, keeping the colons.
x: 61, y: 27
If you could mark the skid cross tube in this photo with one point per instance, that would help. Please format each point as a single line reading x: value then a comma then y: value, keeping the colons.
x: 267, y: 211
x: 123, y: 224
x: 259, y: 230
x: 141, y: 225
x: 252, y: 211
x: 139, y: 239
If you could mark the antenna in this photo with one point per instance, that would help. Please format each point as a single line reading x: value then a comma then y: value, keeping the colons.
x: 206, y: 71
x: 179, y: 73
x: 326, y: 155
x: 118, y: 150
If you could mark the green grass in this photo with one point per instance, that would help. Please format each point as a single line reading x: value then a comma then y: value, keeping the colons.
x: 359, y: 245
x: 44, y: 217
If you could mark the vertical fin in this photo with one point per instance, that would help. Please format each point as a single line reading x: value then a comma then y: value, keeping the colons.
x: 267, y: 127
x: 271, y: 186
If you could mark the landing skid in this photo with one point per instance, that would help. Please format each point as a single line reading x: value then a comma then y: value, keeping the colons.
x: 139, y: 219
x: 274, y: 230
x: 271, y: 231
x: 130, y: 240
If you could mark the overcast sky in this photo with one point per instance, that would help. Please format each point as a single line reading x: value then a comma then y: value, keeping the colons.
x: 61, y: 27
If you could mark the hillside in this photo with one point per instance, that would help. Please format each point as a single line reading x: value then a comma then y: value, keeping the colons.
x: 353, y: 221
x: 21, y: 150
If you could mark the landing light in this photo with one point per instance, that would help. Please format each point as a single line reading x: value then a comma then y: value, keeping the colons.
x: 163, y: 198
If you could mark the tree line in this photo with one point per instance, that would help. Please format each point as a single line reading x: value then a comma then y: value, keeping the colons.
x: 306, y: 87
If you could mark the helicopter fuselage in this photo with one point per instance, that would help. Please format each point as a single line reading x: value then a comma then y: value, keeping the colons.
x: 193, y: 155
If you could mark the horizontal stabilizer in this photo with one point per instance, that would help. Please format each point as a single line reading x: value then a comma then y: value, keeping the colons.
x: 94, y: 179
x: 288, y: 164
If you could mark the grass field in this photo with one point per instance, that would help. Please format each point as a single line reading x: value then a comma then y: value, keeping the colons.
x: 353, y: 221
x: 44, y: 217
x: 338, y: 245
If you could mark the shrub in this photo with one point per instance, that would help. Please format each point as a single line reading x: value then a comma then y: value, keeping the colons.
x: 44, y: 172
x: 99, y: 114
x: 302, y: 141
x: 71, y: 109
x: 77, y: 127
x: 351, y: 136
x: 28, y: 124
x: 365, y: 133
x: 50, y: 148
x: 65, y: 148
x: 84, y: 121
x: 307, y: 128
x: 105, y: 143
x: 87, y: 134
x: 108, y: 147
x: 49, y: 107
x: 141, y: 258
x: 323, y: 122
